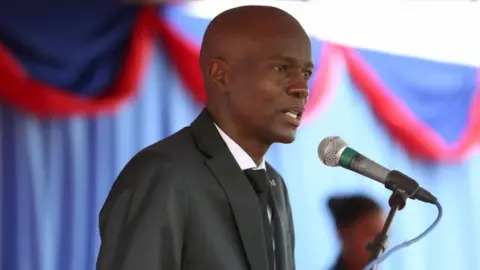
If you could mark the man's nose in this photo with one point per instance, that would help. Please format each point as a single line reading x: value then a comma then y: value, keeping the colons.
x: 298, y: 86
x: 300, y: 91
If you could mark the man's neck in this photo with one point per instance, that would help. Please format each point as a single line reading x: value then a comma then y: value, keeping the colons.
x: 252, y: 146
x: 257, y: 156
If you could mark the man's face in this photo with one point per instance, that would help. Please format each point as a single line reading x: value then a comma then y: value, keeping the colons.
x: 269, y: 87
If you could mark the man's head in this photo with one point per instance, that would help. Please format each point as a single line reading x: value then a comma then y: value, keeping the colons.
x: 358, y: 220
x: 256, y: 62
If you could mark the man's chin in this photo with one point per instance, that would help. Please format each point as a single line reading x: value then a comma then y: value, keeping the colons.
x: 287, y: 137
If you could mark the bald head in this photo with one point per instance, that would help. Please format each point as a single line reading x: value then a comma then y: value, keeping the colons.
x: 237, y: 32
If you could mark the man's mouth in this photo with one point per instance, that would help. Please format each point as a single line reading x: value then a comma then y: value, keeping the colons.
x: 292, y: 114
x: 295, y: 113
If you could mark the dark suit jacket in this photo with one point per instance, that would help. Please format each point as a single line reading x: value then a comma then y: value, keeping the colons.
x: 183, y: 203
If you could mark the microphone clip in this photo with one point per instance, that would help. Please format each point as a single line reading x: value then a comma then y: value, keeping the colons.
x: 397, y: 181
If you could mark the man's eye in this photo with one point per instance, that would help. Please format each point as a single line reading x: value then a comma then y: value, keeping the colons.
x: 280, y: 68
x: 307, y: 74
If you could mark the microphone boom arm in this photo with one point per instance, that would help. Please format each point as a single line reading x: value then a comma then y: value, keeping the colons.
x: 397, y: 202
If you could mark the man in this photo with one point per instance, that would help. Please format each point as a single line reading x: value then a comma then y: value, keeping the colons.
x: 185, y: 202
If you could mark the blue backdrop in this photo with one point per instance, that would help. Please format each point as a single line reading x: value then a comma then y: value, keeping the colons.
x: 56, y: 174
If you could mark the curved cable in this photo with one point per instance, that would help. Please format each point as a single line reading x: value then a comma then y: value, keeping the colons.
x: 409, y: 242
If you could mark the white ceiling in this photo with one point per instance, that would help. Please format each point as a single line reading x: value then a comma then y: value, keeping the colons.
x: 442, y: 30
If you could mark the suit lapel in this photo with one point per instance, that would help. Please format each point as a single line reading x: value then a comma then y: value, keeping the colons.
x: 242, y: 198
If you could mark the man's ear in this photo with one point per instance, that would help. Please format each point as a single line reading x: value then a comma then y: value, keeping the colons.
x: 218, y: 73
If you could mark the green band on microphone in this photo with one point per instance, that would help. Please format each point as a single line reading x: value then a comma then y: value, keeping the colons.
x: 346, y: 157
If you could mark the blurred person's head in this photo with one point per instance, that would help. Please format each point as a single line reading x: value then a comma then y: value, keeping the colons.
x: 358, y: 220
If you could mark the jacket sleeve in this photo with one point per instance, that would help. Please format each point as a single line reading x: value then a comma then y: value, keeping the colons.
x: 143, y: 219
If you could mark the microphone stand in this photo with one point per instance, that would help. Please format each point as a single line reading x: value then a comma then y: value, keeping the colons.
x: 397, y: 202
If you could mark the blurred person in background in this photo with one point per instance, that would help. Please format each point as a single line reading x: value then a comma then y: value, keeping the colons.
x: 358, y: 220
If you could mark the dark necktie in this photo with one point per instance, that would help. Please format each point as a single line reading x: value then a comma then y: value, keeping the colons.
x: 259, y: 181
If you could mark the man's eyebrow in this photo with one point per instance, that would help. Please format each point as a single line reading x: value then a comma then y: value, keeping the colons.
x: 289, y: 59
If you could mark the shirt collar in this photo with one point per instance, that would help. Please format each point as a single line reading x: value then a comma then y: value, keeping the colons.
x: 243, y: 159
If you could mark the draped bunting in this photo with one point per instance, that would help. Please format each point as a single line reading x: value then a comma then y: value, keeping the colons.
x: 63, y: 73
x: 54, y: 69
x: 432, y: 108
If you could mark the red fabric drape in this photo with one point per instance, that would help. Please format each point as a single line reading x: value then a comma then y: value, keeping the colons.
x: 22, y: 91
x: 418, y: 139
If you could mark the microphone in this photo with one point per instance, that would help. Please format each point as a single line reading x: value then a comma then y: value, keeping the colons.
x: 333, y: 152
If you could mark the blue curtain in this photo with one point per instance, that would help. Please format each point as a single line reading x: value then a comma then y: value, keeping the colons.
x: 56, y: 174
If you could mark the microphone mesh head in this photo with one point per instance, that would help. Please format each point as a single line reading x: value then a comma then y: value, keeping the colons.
x: 329, y: 150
